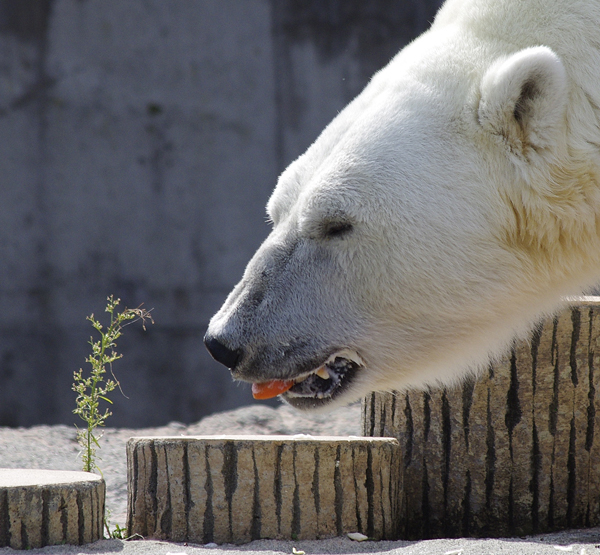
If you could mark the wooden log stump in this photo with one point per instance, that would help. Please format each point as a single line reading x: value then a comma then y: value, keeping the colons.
x: 515, y: 452
x: 235, y: 489
x: 50, y: 507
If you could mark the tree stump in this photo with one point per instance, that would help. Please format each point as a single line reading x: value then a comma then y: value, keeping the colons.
x: 50, y: 507
x: 235, y: 489
x: 513, y: 453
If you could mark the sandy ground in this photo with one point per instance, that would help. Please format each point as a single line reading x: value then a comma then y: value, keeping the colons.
x: 55, y: 448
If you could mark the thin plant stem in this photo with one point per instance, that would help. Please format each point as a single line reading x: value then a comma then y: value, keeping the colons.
x: 94, y: 389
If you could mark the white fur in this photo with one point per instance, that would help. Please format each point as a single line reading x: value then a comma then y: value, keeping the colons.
x: 469, y: 168
x: 541, y: 109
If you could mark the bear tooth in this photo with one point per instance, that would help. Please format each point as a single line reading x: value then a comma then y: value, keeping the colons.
x: 322, y: 373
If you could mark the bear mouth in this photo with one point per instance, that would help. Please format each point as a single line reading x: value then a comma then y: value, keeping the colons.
x: 325, y: 383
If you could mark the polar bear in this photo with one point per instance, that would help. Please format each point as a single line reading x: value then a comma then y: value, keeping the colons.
x: 445, y: 210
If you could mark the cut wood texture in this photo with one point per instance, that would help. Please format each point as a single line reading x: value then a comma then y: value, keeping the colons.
x: 512, y: 453
x: 50, y: 507
x: 235, y: 489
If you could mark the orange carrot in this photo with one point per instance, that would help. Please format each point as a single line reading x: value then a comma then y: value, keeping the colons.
x: 267, y: 390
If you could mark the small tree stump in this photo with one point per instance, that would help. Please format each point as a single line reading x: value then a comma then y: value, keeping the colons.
x: 513, y: 453
x: 235, y: 489
x: 50, y: 507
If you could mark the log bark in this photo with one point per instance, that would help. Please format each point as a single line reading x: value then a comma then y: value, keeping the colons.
x: 513, y: 453
x: 235, y: 489
x: 50, y: 507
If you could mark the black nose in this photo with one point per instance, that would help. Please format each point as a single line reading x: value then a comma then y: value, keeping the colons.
x: 221, y: 353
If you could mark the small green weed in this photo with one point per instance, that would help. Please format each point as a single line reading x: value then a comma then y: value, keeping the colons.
x: 94, y: 388
x: 118, y: 533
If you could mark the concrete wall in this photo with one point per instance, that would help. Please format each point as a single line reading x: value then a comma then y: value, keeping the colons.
x: 139, y: 142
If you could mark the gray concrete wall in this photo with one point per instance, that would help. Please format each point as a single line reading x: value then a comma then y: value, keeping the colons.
x: 139, y: 142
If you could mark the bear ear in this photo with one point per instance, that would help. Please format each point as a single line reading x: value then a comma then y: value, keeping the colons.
x: 523, y: 101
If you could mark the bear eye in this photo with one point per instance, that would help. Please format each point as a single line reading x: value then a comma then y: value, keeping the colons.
x: 334, y: 230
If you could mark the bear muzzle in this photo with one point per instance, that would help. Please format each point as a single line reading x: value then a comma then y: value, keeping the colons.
x: 313, y: 386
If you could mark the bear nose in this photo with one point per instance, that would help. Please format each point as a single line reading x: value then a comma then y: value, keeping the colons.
x: 221, y: 353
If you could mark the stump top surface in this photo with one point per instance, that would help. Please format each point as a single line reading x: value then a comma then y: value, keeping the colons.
x: 26, y: 477
x: 583, y: 301
x: 299, y: 438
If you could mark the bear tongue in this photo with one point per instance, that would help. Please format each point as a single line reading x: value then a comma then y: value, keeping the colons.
x: 268, y: 390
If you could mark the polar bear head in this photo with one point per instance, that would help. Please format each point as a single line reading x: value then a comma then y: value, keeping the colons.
x: 433, y: 219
